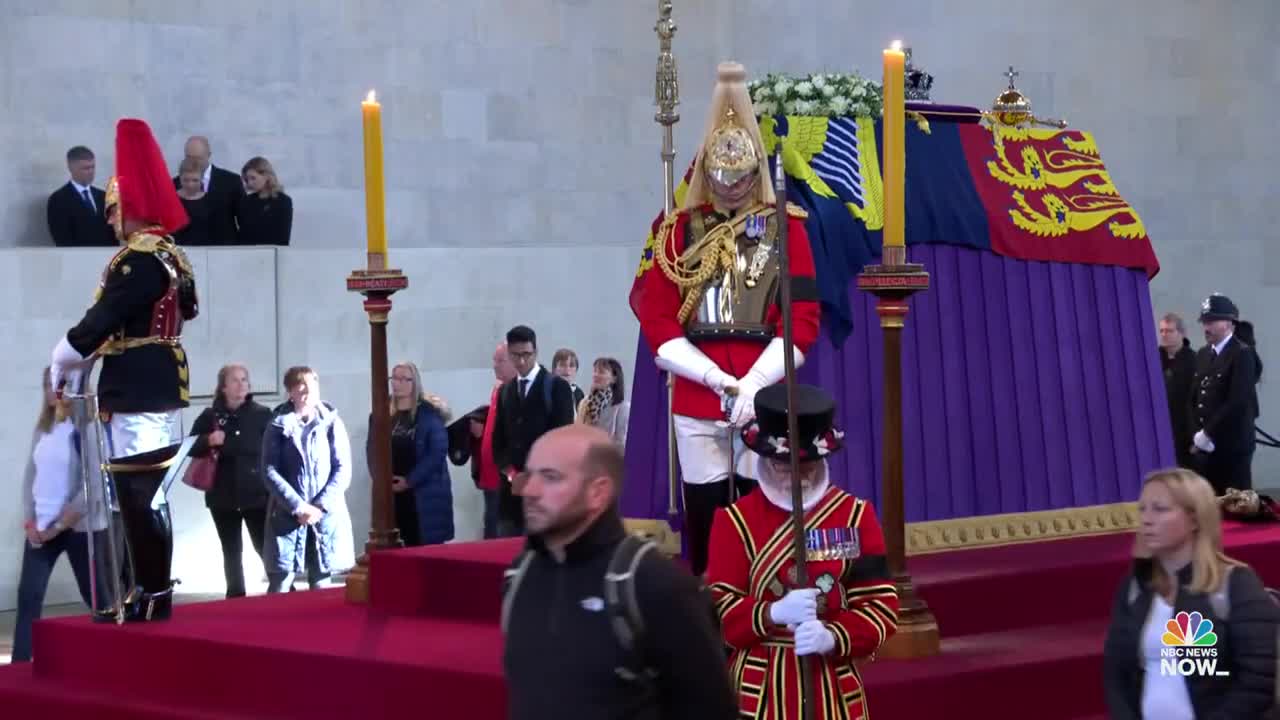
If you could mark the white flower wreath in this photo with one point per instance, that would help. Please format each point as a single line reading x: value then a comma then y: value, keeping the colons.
x: 821, y: 94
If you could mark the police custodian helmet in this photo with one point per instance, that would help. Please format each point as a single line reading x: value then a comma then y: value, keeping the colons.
x: 1218, y: 307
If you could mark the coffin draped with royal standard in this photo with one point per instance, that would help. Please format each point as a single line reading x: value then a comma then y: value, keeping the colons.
x: 1029, y: 384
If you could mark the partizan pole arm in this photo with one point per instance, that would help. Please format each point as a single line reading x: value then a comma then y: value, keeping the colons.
x: 799, y: 548
x: 666, y: 96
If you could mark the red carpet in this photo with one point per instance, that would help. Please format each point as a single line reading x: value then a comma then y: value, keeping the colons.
x: 1022, y: 624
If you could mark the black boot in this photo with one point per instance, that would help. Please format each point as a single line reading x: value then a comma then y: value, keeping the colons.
x: 148, y: 535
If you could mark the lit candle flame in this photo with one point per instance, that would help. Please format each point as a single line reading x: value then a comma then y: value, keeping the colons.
x: 371, y: 98
x: 896, y: 45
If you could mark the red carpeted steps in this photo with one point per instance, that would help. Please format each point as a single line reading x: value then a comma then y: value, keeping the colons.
x: 300, y: 655
x: 1023, y: 624
x: 461, y: 581
x: 26, y: 695
x: 1026, y: 669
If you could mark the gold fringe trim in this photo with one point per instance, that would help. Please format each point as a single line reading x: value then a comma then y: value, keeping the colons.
x: 659, y: 531
x: 966, y: 533
x: 1013, y: 528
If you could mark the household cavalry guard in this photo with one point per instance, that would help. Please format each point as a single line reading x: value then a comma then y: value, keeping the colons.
x: 712, y: 315
x: 146, y: 293
x: 767, y: 620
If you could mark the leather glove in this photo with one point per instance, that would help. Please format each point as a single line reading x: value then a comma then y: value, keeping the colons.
x: 64, y: 364
x: 795, y: 608
x: 768, y: 369
x: 813, y: 638
x: 1202, y: 442
x: 683, y: 358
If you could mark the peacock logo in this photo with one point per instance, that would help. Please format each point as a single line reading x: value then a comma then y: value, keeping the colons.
x: 1189, y: 630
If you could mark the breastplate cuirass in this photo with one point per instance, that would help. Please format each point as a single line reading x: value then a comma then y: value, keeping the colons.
x: 738, y: 307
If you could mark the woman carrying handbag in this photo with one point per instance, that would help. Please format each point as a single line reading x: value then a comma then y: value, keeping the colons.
x: 227, y: 458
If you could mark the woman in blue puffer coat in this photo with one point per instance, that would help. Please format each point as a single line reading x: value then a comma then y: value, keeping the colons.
x: 306, y: 464
x: 419, y: 448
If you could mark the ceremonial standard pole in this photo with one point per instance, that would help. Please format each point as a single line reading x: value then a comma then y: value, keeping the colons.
x: 666, y: 96
x: 377, y: 283
x: 799, y: 548
x: 893, y: 281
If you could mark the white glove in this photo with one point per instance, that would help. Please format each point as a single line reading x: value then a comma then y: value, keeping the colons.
x: 744, y: 404
x: 768, y: 369
x: 64, y: 360
x: 795, y: 608
x: 1202, y: 442
x: 683, y: 358
x: 813, y: 638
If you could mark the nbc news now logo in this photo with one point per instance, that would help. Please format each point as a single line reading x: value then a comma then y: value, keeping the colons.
x: 1188, y: 650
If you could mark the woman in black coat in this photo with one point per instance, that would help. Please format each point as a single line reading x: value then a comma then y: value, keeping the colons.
x: 265, y: 214
x: 1179, y: 569
x: 234, y: 427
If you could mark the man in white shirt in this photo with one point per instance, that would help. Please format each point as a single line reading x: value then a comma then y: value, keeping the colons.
x: 529, y: 405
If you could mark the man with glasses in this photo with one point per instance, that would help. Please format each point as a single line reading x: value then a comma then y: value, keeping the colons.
x: 529, y: 405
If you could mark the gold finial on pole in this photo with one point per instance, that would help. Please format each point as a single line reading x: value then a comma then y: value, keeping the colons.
x: 666, y: 96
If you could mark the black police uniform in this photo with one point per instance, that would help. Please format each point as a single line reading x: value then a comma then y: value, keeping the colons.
x: 1224, y: 404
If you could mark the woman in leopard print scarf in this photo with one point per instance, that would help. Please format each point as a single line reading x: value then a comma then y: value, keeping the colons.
x: 606, y: 406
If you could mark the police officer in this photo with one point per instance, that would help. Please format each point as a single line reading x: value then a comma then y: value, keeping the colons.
x: 1224, y: 399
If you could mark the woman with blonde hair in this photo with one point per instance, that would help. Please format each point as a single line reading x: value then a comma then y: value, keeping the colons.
x: 197, y: 203
x: 265, y: 214
x: 419, y: 452
x: 54, y: 514
x: 1181, y: 579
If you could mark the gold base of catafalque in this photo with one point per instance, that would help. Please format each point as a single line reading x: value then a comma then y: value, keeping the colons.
x: 357, y: 589
x: 917, y: 636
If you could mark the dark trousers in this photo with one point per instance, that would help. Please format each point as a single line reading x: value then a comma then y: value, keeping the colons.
x: 490, y: 514
x: 228, y: 524
x: 1182, y: 452
x: 700, y: 505
x: 1227, y: 470
x: 407, y: 518
x: 510, y: 511
x: 37, y: 567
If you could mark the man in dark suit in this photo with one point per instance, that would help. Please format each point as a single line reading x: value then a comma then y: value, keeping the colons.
x: 1224, y: 400
x: 1178, y: 361
x: 530, y: 404
x: 76, y: 211
x: 224, y: 189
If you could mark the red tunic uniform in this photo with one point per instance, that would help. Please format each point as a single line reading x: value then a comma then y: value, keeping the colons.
x: 661, y: 304
x: 750, y: 563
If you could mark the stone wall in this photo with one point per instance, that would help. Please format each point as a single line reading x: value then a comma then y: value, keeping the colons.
x: 272, y: 308
x: 521, y: 147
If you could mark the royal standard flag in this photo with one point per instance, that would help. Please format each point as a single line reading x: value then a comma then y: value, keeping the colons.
x: 1031, y: 194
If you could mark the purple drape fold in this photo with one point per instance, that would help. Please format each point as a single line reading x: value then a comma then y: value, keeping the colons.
x: 1026, y: 386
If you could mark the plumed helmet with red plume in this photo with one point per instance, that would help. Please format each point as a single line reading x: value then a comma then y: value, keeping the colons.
x: 143, y: 190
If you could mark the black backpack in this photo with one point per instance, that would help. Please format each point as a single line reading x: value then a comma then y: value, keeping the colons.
x: 619, y: 598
